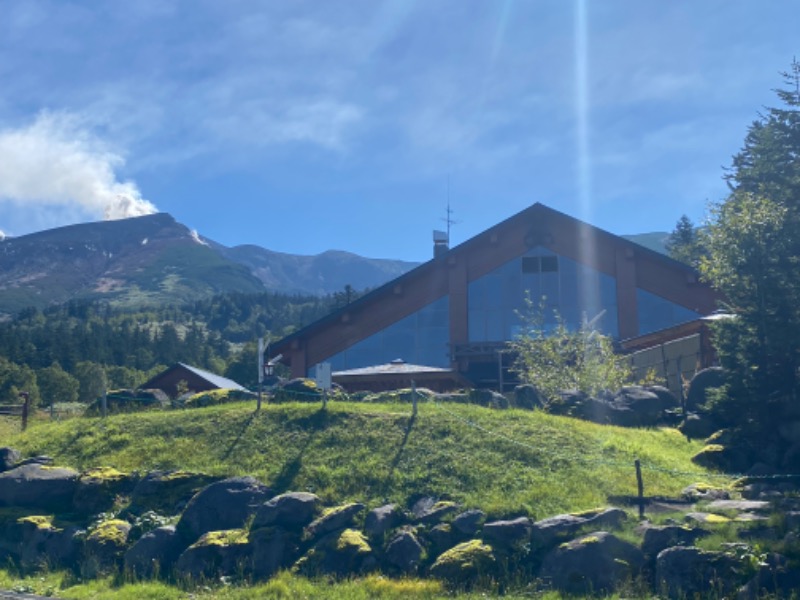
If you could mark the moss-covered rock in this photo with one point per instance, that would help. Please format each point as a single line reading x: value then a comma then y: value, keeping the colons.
x: 226, y: 504
x: 594, y: 563
x: 34, y: 542
x: 215, y: 397
x: 154, y: 553
x: 99, y: 488
x: 293, y: 510
x: 215, y: 554
x: 404, y: 552
x: 336, y: 517
x: 105, y: 547
x: 167, y: 492
x: 721, y: 458
x: 38, y: 486
x: 344, y: 553
x: 465, y: 563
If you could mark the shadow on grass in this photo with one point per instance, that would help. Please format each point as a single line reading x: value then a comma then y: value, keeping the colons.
x: 399, y: 454
x: 245, y: 426
x: 313, y: 423
x: 284, y: 480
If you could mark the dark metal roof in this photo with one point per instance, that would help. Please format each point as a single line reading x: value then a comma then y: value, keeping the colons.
x: 222, y: 383
x: 218, y: 381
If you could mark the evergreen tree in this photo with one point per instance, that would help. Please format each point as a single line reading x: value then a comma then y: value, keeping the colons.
x: 754, y: 255
x: 685, y: 243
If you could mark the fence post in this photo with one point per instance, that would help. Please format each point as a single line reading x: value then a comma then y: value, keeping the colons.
x: 640, y: 485
x: 25, y: 407
x: 414, y: 398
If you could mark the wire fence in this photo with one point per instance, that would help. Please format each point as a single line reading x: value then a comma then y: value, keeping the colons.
x: 554, y: 457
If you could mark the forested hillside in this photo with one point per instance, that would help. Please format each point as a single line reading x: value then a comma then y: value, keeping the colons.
x: 67, y: 353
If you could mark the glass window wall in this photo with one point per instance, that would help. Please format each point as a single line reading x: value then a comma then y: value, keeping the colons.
x: 421, y: 338
x: 573, y: 291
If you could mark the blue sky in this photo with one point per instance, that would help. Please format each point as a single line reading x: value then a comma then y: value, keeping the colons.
x: 307, y: 125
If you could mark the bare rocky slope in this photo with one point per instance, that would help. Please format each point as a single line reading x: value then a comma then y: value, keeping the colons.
x: 154, y: 259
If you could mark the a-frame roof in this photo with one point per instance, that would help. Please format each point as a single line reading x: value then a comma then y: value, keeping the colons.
x: 537, y: 225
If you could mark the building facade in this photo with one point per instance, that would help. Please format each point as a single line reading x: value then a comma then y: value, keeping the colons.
x: 460, y: 308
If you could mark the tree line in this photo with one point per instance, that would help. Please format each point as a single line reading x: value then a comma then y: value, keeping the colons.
x: 68, y: 353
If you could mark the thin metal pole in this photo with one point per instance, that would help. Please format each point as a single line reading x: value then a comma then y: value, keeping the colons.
x: 640, y: 486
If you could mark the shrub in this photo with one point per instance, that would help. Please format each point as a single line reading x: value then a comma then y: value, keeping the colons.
x: 564, y: 359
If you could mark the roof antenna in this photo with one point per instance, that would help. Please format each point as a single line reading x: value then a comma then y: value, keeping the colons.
x: 449, y: 218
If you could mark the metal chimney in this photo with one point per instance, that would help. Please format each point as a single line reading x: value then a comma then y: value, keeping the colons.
x: 441, y: 243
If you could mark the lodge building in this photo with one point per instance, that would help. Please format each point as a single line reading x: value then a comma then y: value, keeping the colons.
x: 458, y: 310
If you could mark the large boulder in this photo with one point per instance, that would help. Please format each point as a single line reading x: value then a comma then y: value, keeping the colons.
x: 634, y: 406
x: 37, y: 486
x: 380, y: 520
x: 528, y: 397
x: 439, y: 538
x: 98, y: 489
x: 669, y: 401
x: 404, y: 552
x: 722, y: 458
x: 155, y: 553
x: 223, y: 505
x: 774, y: 579
x: 591, y: 564
x: 344, y: 552
x: 469, y: 522
x: 697, y: 492
x: 215, y: 554
x: 488, y: 398
x: 105, y: 547
x: 437, y: 512
x: 688, y: 572
x: 568, y: 402
x: 657, y: 539
x: 293, y: 510
x: 464, y: 564
x: 698, y: 426
x: 550, y: 531
x: 513, y: 533
x: 38, y: 544
x: 273, y: 548
x: 8, y: 459
x: 333, y: 519
x: 697, y: 394
x: 167, y: 492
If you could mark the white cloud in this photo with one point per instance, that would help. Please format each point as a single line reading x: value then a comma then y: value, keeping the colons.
x: 56, y: 162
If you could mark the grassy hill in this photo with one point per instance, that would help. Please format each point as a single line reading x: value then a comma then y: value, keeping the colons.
x: 504, y: 462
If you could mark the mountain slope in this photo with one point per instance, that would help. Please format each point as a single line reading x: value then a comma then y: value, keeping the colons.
x: 151, y: 259
x: 654, y: 241
x: 323, y: 273
x: 156, y: 260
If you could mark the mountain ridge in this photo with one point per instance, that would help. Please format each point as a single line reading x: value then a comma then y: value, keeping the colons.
x: 154, y: 259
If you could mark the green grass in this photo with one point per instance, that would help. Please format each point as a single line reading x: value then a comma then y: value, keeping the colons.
x: 284, y: 586
x: 504, y: 462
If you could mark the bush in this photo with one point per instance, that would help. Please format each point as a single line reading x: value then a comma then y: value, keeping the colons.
x: 582, y: 360
x: 215, y: 397
x: 120, y: 401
